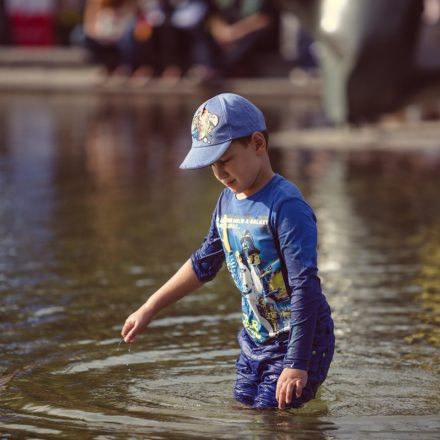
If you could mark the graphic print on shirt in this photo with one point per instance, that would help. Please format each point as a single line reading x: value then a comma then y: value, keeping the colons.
x: 255, y: 267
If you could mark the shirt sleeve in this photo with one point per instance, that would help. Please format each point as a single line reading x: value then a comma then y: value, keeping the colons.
x: 297, y: 237
x: 208, y: 259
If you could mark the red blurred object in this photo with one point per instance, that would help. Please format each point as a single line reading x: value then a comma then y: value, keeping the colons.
x: 31, y: 23
x: 32, y: 30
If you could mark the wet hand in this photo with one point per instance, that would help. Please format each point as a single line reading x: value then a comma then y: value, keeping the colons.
x: 135, y: 324
x: 291, y: 380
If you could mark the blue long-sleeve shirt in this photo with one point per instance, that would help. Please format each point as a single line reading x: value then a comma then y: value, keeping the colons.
x: 268, y: 241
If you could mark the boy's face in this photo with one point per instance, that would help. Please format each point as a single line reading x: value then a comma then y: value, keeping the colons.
x: 240, y: 167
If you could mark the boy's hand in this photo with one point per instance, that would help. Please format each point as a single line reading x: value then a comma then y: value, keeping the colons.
x: 135, y: 324
x: 291, y: 379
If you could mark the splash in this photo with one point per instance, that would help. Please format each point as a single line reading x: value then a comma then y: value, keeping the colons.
x: 129, y: 350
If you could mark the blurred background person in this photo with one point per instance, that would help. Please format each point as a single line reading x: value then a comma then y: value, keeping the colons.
x: 180, y: 43
x: 117, y: 35
x: 68, y: 16
x: 166, y: 48
x: 306, y: 59
x: 190, y: 19
x: 146, y: 38
x: 242, y: 30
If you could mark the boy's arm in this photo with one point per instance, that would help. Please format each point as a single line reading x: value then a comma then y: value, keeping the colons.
x: 297, y: 236
x: 203, y: 266
x: 183, y: 282
x: 225, y: 33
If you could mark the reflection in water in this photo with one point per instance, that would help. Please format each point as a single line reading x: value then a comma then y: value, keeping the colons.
x: 95, y: 215
x: 374, y: 274
x: 407, y: 198
x: 428, y: 242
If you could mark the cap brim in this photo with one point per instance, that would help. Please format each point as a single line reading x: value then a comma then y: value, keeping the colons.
x: 204, y: 156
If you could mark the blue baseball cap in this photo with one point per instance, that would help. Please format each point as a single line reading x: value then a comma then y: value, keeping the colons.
x: 216, y: 123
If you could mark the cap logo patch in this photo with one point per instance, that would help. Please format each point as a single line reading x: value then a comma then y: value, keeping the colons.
x: 202, y: 125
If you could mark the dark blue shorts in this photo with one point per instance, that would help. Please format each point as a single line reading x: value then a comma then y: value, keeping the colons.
x: 259, y: 366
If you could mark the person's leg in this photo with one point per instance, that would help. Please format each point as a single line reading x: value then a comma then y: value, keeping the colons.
x: 271, y: 359
x: 306, y: 59
x: 322, y: 355
x: 246, y: 384
x: 318, y: 369
x: 169, y: 45
x: 104, y: 54
x: 266, y: 396
x: 128, y: 49
x: 203, y: 64
x: 271, y: 366
x: 239, y: 57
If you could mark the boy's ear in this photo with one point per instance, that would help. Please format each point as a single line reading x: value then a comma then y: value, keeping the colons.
x: 259, y: 141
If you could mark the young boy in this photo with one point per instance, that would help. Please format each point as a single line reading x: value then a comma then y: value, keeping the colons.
x: 266, y: 233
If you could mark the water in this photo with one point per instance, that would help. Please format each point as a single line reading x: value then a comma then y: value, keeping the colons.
x: 94, y: 215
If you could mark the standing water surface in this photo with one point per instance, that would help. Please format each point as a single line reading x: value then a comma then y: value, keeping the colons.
x: 95, y: 215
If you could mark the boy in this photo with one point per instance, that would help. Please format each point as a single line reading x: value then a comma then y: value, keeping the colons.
x: 266, y: 233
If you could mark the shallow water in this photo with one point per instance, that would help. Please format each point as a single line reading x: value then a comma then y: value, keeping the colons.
x: 94, y: 215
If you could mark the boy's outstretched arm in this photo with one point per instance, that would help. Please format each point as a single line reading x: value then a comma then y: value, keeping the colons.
x: 184, y: 281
